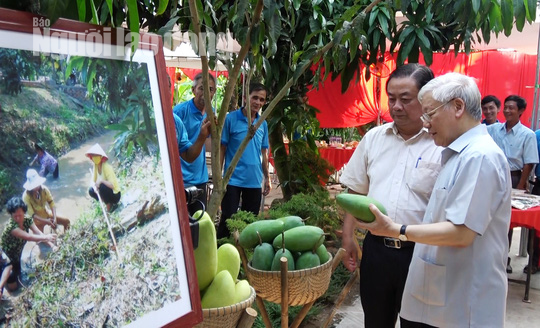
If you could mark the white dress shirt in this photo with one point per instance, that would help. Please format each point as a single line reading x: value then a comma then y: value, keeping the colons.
x: 398, y: 173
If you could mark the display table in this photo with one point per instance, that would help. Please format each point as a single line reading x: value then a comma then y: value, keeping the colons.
x: 337, y: 156
x: 529, y: 219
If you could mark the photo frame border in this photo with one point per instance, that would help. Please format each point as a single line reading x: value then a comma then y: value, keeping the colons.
x: 24, y: 22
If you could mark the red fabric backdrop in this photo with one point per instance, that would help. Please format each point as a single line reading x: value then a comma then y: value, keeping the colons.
x: 499, y: 73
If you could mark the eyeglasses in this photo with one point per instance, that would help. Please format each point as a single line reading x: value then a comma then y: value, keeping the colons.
x: 426, y: 117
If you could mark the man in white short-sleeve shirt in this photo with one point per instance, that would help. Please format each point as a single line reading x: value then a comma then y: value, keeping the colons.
x: 457, y: 275
x: 397, y: 164
x: 518, y: 143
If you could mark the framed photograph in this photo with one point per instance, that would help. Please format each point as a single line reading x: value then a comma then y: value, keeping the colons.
x: 67, y: 87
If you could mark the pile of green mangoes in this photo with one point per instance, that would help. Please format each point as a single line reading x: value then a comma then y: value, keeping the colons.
x: 287, y: 237
x: 217, y: 268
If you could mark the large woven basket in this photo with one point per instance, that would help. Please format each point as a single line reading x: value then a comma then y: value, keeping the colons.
x: 227, y: 316
x: 305, y: 285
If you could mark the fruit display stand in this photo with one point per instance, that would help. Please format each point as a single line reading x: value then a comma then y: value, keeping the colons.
x: 239, y: 315
x: 298, y: 287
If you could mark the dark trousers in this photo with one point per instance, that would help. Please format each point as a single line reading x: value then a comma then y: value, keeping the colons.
x: 107, y: 195
x: 516, y: 176
x: 15, y: 272
x: 251, y: 202
x: 411, y: 324
x: 196, y: 205
x: 536, y: 244
x: 383, y: 272
x: 55, y: 173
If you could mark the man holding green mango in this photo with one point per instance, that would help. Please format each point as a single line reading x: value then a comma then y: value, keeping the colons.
x: 457, y: 277
x: 397, y: 164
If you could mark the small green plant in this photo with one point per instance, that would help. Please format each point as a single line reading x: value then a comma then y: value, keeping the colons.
x: 237, y: 222
x: 317, y: 208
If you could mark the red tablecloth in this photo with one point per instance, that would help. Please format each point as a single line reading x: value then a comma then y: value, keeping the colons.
x: 529, y: 219
x: 526, y: 218
x: 336, y: 156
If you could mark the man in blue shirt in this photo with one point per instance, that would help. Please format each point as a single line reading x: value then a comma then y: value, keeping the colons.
x: 247, y: 178
x: 193, y: 116
x: 491, y: 106
x: 518, y: 143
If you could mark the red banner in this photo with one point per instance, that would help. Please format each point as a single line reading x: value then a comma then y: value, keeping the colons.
x: 498, y: 73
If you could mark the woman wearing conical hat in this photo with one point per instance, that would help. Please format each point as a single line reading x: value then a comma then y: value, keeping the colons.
x: 104, y: 178
x: 40, y: 202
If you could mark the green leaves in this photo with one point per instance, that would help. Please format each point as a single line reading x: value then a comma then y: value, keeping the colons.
x: 507, y: 15
x: 162, y: 6
x: 54, y: 9
x: 133, y: 14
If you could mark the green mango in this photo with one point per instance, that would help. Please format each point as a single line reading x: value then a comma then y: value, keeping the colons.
x: 323, y: 254
x: 228, y: 259
x: 263, y: 255
x: 267, y: 229
x: 358, y: 206
x: 307, y: 260
x: 242, y: 291
x: 206, y: 253
x: 290, y: 222
x: 300, y: 239
x: 221, y: 291
x: 276, y: 262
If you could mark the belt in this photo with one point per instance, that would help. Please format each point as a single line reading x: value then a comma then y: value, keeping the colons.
x: 392, y: 242
x: 516, y: 173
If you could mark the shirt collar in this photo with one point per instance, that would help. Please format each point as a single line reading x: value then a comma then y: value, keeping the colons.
x: 458, y: 145
x: 241, y: 114
x: 391, y: 128
x: 514, y: 128
x: 194, y: 108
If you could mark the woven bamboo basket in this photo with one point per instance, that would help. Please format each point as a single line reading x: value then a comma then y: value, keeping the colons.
x: 305, y: 285
x: 226, y: 316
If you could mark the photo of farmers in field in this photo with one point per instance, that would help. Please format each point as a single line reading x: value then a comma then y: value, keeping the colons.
x: 87, y: 238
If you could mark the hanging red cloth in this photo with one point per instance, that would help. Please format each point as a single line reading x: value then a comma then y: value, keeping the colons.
x: 498, y: 73
x: 357, y: 106
x: 191, y: 72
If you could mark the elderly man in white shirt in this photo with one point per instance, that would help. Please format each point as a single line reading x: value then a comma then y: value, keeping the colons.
x: 396, y: 163
x: 457, y: 276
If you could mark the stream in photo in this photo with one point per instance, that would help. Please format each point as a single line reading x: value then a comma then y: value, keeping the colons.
x: 70, y: 190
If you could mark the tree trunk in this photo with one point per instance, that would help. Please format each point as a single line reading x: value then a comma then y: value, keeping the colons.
x: 281, y: 164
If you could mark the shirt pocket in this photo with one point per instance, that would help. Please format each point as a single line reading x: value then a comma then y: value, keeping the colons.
x: 423, y: 177
x: 428, y: 282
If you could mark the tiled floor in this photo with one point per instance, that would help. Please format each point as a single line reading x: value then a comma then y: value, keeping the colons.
x: 518, y: 313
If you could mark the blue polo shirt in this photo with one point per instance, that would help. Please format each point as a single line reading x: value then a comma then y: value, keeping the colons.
x: 518, y: 144
x: 181, y: 135
x: 194, y: 173
x: 248, y: 173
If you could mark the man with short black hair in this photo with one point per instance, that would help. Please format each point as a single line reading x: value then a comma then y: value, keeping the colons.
x: 397, y: 164
x: 491, y: 106
x: 252, y: 169
x: 518, y: 144
x: 193, y: 116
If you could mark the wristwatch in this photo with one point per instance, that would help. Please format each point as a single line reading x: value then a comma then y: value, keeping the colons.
x: 402, y: 235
